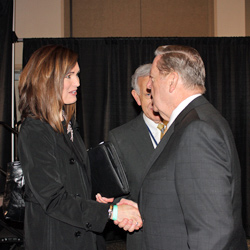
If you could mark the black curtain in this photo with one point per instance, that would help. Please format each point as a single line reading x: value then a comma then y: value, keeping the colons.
x: 104, y: 99
x: 6, y: 15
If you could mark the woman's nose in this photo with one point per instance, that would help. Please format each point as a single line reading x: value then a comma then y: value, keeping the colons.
x: 77, y: 82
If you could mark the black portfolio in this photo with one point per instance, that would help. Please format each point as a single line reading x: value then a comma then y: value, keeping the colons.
x: 107, y: 173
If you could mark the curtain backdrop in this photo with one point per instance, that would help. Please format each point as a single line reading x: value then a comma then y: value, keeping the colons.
x: 6, y: 14
x: 105, y: 102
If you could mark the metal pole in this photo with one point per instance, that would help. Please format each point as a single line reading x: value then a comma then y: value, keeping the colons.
x: 13, y: 88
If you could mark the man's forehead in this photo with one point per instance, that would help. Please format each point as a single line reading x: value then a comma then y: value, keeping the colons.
x: 142, y: 79
x: 154, y: 70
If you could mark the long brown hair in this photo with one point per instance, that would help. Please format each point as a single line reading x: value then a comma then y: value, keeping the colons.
x: 41, y: 85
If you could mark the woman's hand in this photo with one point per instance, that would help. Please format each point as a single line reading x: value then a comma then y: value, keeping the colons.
x: 101, y: 199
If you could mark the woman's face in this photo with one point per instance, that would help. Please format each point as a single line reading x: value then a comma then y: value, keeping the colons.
x: 71, y: 83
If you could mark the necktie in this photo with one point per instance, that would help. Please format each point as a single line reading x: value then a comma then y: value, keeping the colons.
x: 161, y: 128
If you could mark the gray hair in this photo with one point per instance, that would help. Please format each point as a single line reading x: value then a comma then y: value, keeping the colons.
x: 184, y: 60
x: 142, y: 71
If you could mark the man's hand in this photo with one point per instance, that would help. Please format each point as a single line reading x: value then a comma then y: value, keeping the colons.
x: 127, y: 202
x: 128, y: 217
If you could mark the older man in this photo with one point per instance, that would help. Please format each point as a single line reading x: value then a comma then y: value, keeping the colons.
x: 191, y: 195
x: 136, y: 140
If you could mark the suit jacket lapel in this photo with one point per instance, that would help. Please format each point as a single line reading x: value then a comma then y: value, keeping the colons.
x: 196, y: 102
x: 76, y: 149
x: 66, y: 144
x: 142, y: 143
x: 63, y: 143
x: 158, y: 151
x: 192, y: 105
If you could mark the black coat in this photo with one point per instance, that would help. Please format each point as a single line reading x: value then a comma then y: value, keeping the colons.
x: 59, y: 213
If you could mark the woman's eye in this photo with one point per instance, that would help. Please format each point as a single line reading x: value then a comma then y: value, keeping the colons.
x: 67, y: 76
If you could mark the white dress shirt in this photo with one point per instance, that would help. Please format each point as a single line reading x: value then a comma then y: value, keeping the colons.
x: 180, y: 107
x: 154, y: 132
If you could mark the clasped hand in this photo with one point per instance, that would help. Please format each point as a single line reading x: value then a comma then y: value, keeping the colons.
x: 128, y: 216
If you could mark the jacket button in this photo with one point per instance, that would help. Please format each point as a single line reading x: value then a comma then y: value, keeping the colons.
x: 88, y: 225
x: 78, y: 234
x: 72, y: 161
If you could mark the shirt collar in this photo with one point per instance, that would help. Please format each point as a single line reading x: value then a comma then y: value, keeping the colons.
x: 181, y: 107
x: 151, y: 124
x: 154, y: 132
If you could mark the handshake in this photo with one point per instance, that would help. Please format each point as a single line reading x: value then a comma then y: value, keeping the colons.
x: 128, y: 215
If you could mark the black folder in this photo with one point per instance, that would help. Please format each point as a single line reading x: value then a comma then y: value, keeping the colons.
x: 107, y: 173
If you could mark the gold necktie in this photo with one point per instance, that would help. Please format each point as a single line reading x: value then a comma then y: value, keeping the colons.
x: 162, y: 129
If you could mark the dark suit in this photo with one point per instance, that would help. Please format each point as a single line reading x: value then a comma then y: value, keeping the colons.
x: 58, y: 211
x: 134, y: 147
x: 191, y: 195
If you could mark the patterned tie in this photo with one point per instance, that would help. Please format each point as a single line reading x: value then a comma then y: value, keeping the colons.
x: 161, y: 128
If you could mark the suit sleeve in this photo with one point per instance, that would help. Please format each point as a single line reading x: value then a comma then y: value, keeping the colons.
x: 204, y: 186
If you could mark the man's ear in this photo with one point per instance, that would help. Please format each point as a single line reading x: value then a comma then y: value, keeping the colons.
x: 136, y: 97
x: 173, y: 78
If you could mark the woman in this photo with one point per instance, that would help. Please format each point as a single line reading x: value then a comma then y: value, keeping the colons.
x: 59, y: 213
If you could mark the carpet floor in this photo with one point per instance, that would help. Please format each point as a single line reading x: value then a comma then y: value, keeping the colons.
x: 120, y: 245
x: 117, y: 245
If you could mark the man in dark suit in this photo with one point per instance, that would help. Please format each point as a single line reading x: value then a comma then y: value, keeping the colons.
x: 135, y: 141
x: 191, y: 194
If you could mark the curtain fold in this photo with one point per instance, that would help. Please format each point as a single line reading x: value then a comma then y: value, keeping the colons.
x: 6, y: 16
x: 107, y: 64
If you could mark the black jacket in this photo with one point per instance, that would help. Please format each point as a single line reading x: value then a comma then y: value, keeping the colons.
x: 59, y: 213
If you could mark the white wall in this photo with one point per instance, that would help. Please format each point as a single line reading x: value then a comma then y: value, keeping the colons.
x: 44, y: 18
x: 230, y: 18
x: 37, y: 18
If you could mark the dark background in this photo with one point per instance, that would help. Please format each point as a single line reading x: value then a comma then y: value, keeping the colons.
x: 6, y: 13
